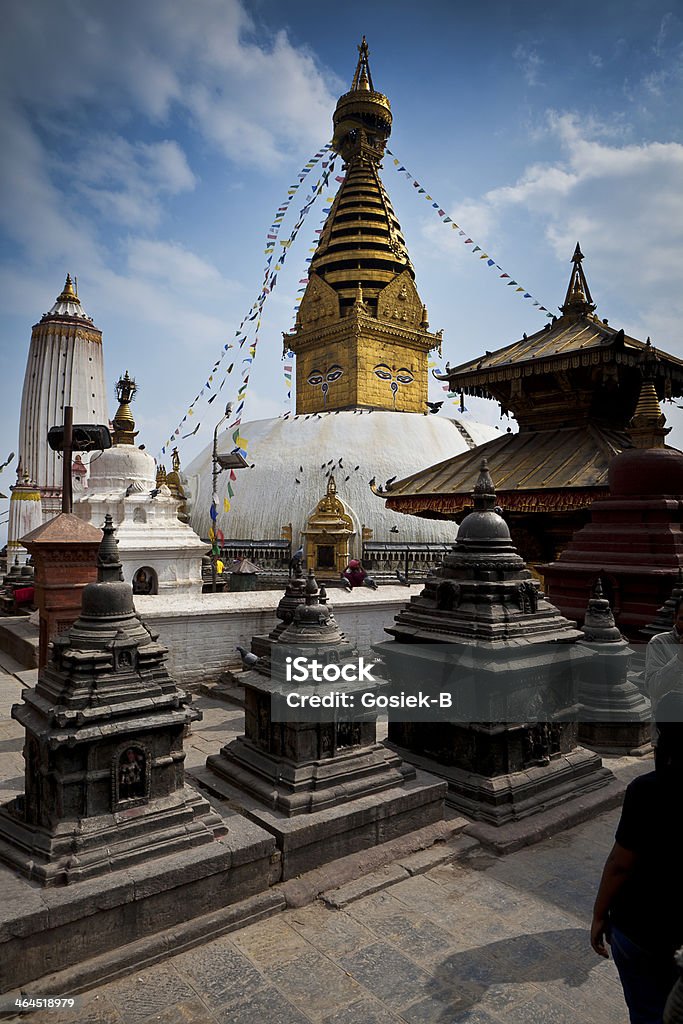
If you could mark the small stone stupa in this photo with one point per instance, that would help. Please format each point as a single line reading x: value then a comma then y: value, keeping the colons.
x: 508, y: 746
x: 615, y: 716
x: 294, y: 595
x: 319, y: 782
x: 104, y: 778
x: 664, y: 619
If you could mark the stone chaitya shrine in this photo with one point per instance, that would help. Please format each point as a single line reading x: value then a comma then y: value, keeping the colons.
x: 320, y: 783
x: 104, y: 775
x: 615, y: 715
x: 508, y: 746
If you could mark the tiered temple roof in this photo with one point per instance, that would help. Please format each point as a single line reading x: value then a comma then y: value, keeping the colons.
x: 573, y: 388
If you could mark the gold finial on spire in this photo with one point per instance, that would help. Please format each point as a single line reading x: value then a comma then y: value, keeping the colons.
x: 124, y: 424
x: 362, y: 118
x: 68, y: 293
x: 362, y: 78
x: 578, y: 300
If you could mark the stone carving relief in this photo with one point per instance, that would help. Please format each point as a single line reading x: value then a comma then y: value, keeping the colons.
x: 400, y: 302
x: 319, y: 305
x: 527, y: 597
x: 131, y: 776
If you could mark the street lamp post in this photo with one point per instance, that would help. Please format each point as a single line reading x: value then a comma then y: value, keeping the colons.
x: 215, y: 470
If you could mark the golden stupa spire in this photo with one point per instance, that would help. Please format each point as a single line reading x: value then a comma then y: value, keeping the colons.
x: 647, y: 428
x: 361, y: 243
x: 578, y: 300
x: 362, y: 78
x: 124, y: 424
x: 68, y: 293
x: 361, y: 336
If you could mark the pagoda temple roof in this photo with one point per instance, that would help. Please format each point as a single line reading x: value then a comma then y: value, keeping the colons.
x: 586, y: 339
x: 546, y: 470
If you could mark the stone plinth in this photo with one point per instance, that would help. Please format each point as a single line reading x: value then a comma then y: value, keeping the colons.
x: 64, y: 554
x: 508, y: 746
x: 321, y: 784
x: 196, y: 892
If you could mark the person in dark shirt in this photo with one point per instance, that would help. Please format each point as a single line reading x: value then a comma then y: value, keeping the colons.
x: 639, y: 906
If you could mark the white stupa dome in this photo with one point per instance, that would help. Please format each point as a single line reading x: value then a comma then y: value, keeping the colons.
x: 120, y: 466
x: 292, y: 459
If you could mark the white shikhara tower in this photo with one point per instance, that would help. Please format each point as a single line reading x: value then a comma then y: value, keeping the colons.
x: 65, y: 367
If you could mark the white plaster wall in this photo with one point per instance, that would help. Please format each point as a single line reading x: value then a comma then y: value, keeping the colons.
x: 201, y: 632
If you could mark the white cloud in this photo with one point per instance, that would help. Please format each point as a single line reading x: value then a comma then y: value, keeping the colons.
x: 256, y: 98
x: 127, y: 182
x: 623, y: 202
x: 175, y: 267
x: 530, y: 62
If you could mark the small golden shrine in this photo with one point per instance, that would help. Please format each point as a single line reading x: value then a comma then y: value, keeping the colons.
x: 327, y: 535
x: 361, y: 335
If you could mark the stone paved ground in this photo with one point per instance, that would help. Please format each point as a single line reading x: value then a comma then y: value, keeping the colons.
x: 485, y: 942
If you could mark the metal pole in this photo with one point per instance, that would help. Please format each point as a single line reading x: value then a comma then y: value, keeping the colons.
x: 214, y: 485
x: 67, y: 500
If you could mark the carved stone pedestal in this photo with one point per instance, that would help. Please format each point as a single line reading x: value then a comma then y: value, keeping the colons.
x: 320, y: 783
x: 104, y: 776
x: 483, y: 635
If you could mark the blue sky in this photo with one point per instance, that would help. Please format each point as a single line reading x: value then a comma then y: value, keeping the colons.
x: 146, y: 147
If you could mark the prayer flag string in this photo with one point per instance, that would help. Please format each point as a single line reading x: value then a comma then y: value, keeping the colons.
x: 252, y: 320
x: 509, y: 281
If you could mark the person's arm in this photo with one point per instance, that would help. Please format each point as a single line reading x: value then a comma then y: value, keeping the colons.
x: 617, y: 869
x: 663, y: 668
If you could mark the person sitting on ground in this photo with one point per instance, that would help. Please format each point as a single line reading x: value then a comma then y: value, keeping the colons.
x: 354, y: 573
x: 639, y: 906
